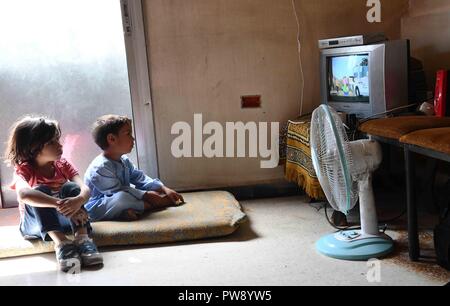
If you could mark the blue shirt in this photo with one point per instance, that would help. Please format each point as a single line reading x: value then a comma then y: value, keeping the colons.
x: 106, y: 177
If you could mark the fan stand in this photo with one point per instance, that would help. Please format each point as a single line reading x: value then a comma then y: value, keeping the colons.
x: 351, y: 162
x: 363, y: 244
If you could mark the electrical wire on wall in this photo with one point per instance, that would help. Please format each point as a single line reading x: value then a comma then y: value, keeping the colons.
x: 299, y: 46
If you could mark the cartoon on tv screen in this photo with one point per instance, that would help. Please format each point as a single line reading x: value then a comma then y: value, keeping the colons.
x: 349, y: 78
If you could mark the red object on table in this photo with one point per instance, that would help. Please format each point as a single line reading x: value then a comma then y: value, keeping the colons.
x: 441, y: 96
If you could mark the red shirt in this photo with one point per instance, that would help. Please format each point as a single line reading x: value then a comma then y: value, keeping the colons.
x: 64, y: 171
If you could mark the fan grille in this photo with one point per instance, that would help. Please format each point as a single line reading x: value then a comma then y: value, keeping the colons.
x: 332, y: 158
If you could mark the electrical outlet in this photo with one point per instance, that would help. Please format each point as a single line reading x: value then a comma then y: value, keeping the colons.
x: 251, y: 101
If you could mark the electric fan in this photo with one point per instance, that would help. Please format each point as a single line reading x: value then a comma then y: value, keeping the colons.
x: 344, y: 170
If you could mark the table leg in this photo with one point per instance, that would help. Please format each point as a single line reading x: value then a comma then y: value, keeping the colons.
x: 413, y: 234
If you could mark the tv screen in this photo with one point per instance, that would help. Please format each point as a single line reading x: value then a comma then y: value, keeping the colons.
x: 348, y: 78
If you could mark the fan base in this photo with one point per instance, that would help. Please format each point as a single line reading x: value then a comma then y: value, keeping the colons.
x: 352, y: 245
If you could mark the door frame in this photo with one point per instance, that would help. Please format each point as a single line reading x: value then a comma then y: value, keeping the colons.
x: 139, y: 78
x: 1, y: 193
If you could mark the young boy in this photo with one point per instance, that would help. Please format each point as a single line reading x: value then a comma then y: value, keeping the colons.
x: 110, y: 174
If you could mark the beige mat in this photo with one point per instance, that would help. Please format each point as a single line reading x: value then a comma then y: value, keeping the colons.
x: 205, y: 214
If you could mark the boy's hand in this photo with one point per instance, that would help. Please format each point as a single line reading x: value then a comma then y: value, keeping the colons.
x: 70, y: 206
x: 175, y: 197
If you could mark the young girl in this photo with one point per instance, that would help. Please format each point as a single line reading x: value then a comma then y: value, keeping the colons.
x: 50, y: 192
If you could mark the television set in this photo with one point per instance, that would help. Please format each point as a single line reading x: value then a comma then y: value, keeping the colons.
x: 365, y: 80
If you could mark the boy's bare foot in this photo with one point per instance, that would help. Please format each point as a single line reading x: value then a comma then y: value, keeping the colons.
x: 154, y: 200
x: 129, y: 215
x: 179, y: 202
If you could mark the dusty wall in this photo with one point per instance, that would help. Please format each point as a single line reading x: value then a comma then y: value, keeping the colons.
x: 427, y: 25
x: 205, y: 54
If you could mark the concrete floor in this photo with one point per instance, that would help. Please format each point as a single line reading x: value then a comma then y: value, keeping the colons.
x: 275, y: 247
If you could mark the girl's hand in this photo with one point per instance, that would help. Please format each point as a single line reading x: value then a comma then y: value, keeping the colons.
x: 175, y: 197
x: 70, y: 206
x: 80, y: 218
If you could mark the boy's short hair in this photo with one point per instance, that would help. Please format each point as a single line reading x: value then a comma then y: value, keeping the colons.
x: 105, y: 125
